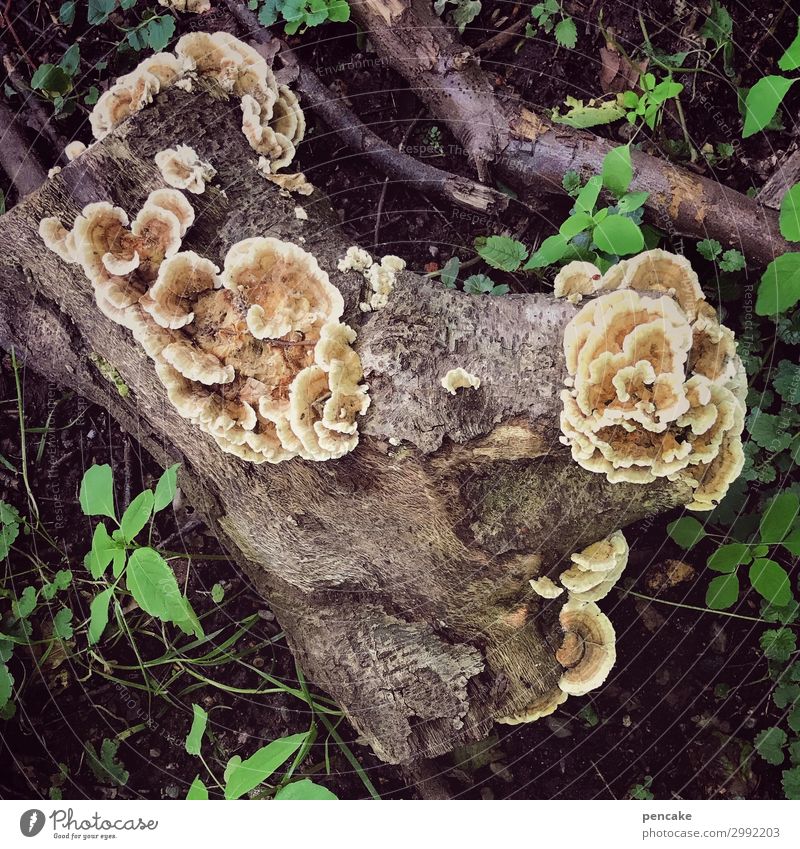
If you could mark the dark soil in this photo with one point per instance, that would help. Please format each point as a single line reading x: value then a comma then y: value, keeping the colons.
x: 663, y: 713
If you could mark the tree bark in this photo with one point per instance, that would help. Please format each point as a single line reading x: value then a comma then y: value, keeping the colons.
x: 532, y: 154
x: 399, y: 572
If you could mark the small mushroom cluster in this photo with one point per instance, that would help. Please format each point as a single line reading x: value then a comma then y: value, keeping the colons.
x: 272, y: 119
x: 588, y: 646
x: 380, y: 275
x: 255, y: 356
x: 655, y: 388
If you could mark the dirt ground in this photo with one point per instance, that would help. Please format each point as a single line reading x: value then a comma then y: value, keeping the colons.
x: 676, y: 716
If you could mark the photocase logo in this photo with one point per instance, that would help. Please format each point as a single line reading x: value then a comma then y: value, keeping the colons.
x: 31, y: 822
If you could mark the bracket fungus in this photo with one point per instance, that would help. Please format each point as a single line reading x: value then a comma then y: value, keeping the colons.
x: 655, y: 388
x: 255, y: 356
x: 596, y: 569
x: 182, y: 168
x: 588, y: 649
x: 459, y: 378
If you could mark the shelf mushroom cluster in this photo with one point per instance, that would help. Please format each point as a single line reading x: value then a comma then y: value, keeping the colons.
x: 655, y: 387
x: 588, y: 647
x: 255, y: 356
x: 272, y: 120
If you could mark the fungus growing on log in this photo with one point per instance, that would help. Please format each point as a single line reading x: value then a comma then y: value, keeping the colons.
x: 596, y: 569
x: 655, y: 386
x: 545, y: 587
x: 182, y: 168
x: 459, y: 378
x: 74, y: 149
x: 588, y: 650
x: 196, y: 6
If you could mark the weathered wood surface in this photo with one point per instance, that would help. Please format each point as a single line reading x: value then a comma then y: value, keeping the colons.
x: 400, y: 572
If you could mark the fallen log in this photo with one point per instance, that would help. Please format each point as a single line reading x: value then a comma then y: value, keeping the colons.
x: 531, y: 153
x: 401, y: 571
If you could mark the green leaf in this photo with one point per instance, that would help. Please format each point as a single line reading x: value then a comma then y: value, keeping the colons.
x: 97, y: 492
x: 62, y: 624
x: 785, y: 695
x: 194, y: 739
x: 217, y: 593
x: 789, y: 219
x: 587, y: 197
x: 709, y: 249
x: 787, y: 382
x: 618, y: 235
x: 118, y: 562
x: 794, y: 719
x: 268, y: 13
x: 159, y: 31
x: 686, y: 531
x: 762, y: 102
x: 582, y: 117
x: 8, y: 535
x: 632, y: 201
x: 575, y: 224
x: 478, y: 284
x: 552, y: 249
x: 727, y: 557
x: 790, y: 61
x: 792, y: 543
x: 71, y: 60
x: 6, y: 685
x: 339, y: 11
x: 778, y: 644
x: 305, y: 789
x: 503, y: 252
x: 103, y: 550
x: 197, y: 792
x: 449, y: 273
x: 768, y: 430
x: 790, y: 781
x: 769, y: 580
x: 166, y: 488
x: 769, y: 744
x: 98, y: 615
x: 718, y: 25
x: 137, y: 515
x: 25, y: 604
x: 52, y: 80
x: 153, y: 585
x: 779, y: 517
x: 99, y: 10
x: 107, y: 766
x: 248, y: 774
x: 61, y: 580
x: 723, y: 591
x: 566, y: 33
x: 617, y: 170
x: 571, y: 182
x: 66, y: 14
x: 732, y: 260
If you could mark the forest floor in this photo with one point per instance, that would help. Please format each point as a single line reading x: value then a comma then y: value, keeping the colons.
x: 679, y: 713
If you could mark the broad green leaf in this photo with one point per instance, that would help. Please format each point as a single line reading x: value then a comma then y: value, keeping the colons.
x: 166, y: 488
x: 305, y: 789
x: 61, y: 580
x: 632, y: 201
x: 62, y: 624
x: 71, y: 60
x: 575, y: 224
x: 762, y: 102
x: 587, y: 197
x: 790, y: 61
x: 198, y: 791
x: 790, y: 781
x: 217, y: 593
x: 792, y: 543
x: 118, y: 563
x: 686, y: 531
x: 137, y: 515
x: 51, y: 79
x: 778, y: 518
x: 769, y: 744
x: 99, y: 10
x: 338, y: 10
x: 722, y: 591
x: 552, y: 249
x: 503, y: 252
x: 780, y: 285
x: 159, y: 31
x: 25, y: 604
x: 787, y: 382
x: 194, y: 739
x: 103, y: 550
x: 582, y: 117
x: 618, y: 235
x: 153, y: 585
x: 248, y: 774
x: 8, y: 535
x: 6, y: 685
x: 618, y: 170
x: 98, y: 615
x: 789, y: 220
x: 449, y: 273
x: 727, y: 557
x: 97, y: 492
x: 778, y: 644
x: 66, y: 14
x: 566, y: 33
x: 769, y: 580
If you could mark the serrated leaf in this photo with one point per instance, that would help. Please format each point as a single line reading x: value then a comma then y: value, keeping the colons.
x: 785, y: 695
x: 787, y: 382
x: 790, y: 781
x: 723, y: 591
x: 727, y: 557
x: 503, y: 252
x: 778, y: 644
x: 732, y: 260
x: 566, y: 33
x: 769, y: 744
x: 62, y: 624
x: 98, y: 615
x: 618, y: 235
x: 107, y: 766
x: 97, y: 492
x: 583, y: 117
x: 217, y: 593
x: 197, y: 791
x: 305, y: 789
x: 686, y: 531
x: 768, y: 431
x: 194, y: 739
x: 6, y: 685
x: 25, y: 604
x: 247, y: 775
x: 762, y: 102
